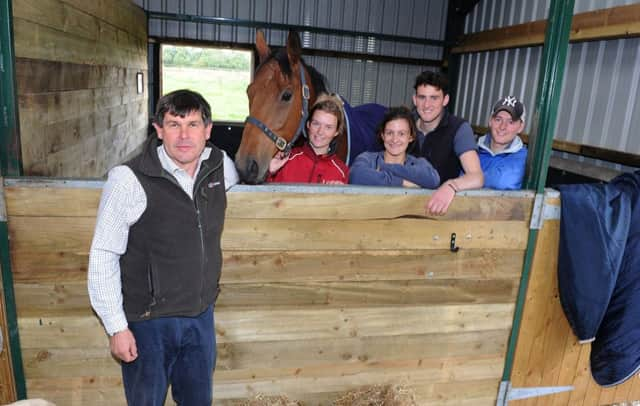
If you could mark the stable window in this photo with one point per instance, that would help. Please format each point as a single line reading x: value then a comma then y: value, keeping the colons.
x: 220, y: 75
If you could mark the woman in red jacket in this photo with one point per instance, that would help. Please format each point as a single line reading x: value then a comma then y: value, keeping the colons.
x: 315, y: 161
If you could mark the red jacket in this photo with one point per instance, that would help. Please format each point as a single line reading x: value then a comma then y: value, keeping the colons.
x: 304, y: 166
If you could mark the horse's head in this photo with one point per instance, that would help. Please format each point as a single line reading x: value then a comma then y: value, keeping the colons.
x: 275, y: 106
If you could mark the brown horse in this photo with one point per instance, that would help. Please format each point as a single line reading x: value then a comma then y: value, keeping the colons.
x: 283, y: 89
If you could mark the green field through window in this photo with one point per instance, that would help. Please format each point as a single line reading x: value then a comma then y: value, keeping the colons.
x: 220, y: 75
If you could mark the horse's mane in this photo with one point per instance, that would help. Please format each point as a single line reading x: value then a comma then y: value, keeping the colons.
x: 318, y: 80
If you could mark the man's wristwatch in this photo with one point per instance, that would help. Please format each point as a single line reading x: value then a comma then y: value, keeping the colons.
x: 115, y: 332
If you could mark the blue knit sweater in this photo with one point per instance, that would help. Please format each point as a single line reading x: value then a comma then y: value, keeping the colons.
x: 369, y: 168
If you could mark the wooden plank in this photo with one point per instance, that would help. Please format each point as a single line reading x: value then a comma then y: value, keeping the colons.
x: 35, y: 76
x: 108, y: 390
x: 370, y: 234
x: 634, y: 394
x: 536, y: 340
x: 69, y: 362
x: 79, y: 391
x: 257, y: 325
x: 607, y: 396
x: 44, y: 298
x: 312, y: 266
x: 304, y: 266
x: 84, y: 19
x: 609, y: 23
x: 568, y: 368
x: 58, y: 16
x: 374, y: 294
x: 592, y: 395
x: 582, y: 376
x: 240, y: 383
x: 31, y: 235
x: 54, y: 235
x: 21, y: 201
x: 471, y: 393
x: 40, y: 42
x: 123, y: 14
x: 73, y: 142
x: 343, y: 206
x: 529, y: 363
x: 65, y: 106
x: 622, y: 391
x: 373, y: 349
x: 519, y: 35
x: 72, y: 331
x: 466, y: 393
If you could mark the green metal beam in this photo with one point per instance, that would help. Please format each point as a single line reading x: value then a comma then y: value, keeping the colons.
x: 10, y: 152
x: 554, y: 57
x: 10, y: 305
x: 10, y: 164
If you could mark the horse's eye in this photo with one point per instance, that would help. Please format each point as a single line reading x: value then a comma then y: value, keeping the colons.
x: 286, y: 96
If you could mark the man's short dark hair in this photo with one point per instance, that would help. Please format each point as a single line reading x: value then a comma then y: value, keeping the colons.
x: 180, y: 103
x: 435, y: 79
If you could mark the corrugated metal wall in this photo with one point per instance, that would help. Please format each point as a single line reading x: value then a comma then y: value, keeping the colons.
x: 598, y: 105
x: 359, y: 81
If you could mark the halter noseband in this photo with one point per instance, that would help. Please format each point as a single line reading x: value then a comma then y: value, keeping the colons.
x: 280, y: 142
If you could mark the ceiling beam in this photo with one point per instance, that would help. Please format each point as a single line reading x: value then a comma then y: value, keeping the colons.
x: 610, y: 23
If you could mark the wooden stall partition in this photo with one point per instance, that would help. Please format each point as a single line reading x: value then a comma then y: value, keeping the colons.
x: 76, y: 66
x: 548, y: 353
x: 324, y: 289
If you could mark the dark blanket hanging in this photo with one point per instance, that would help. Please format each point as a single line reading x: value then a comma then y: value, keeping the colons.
x: 599, y: 273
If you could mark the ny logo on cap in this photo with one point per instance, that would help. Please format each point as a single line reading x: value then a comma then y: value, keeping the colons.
x: 509, y: 101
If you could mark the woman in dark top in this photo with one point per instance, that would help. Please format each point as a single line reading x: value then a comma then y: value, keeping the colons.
x: 393, y: 166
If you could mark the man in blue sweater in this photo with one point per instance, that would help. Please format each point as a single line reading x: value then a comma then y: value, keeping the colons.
x: 503, y: 156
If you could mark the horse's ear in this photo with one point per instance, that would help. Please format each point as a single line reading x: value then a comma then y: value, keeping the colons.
x: 294, y: 49
x: 262, y: 47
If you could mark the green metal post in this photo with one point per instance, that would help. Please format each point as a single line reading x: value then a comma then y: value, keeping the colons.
x: 554, y: 56
x: 10, y: 305
x: 10, y: 164
x: 10, y: 152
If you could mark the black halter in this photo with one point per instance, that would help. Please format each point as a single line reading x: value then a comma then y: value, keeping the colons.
x: 280, y: 142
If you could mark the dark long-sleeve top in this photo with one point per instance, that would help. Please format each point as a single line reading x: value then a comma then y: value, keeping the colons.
x: 369, y: 168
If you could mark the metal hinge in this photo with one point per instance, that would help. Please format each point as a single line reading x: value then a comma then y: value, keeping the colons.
x: 507, y: 393
x: 542, y: 212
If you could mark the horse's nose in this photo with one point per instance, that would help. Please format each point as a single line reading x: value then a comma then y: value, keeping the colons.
x: 249, y: 173
x: 253, y: 170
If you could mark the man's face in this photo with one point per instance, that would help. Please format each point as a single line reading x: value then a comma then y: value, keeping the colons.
x: 503, y: 129
x: 430, y: 102
x: 184, y: 138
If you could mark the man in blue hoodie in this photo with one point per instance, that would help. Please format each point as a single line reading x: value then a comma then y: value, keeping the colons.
x: 503, y: 156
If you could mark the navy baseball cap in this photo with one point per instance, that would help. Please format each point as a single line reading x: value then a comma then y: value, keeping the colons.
x: 511, y: 105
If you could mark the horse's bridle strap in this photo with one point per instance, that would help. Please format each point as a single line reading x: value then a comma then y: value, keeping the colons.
x: 280, y: 142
